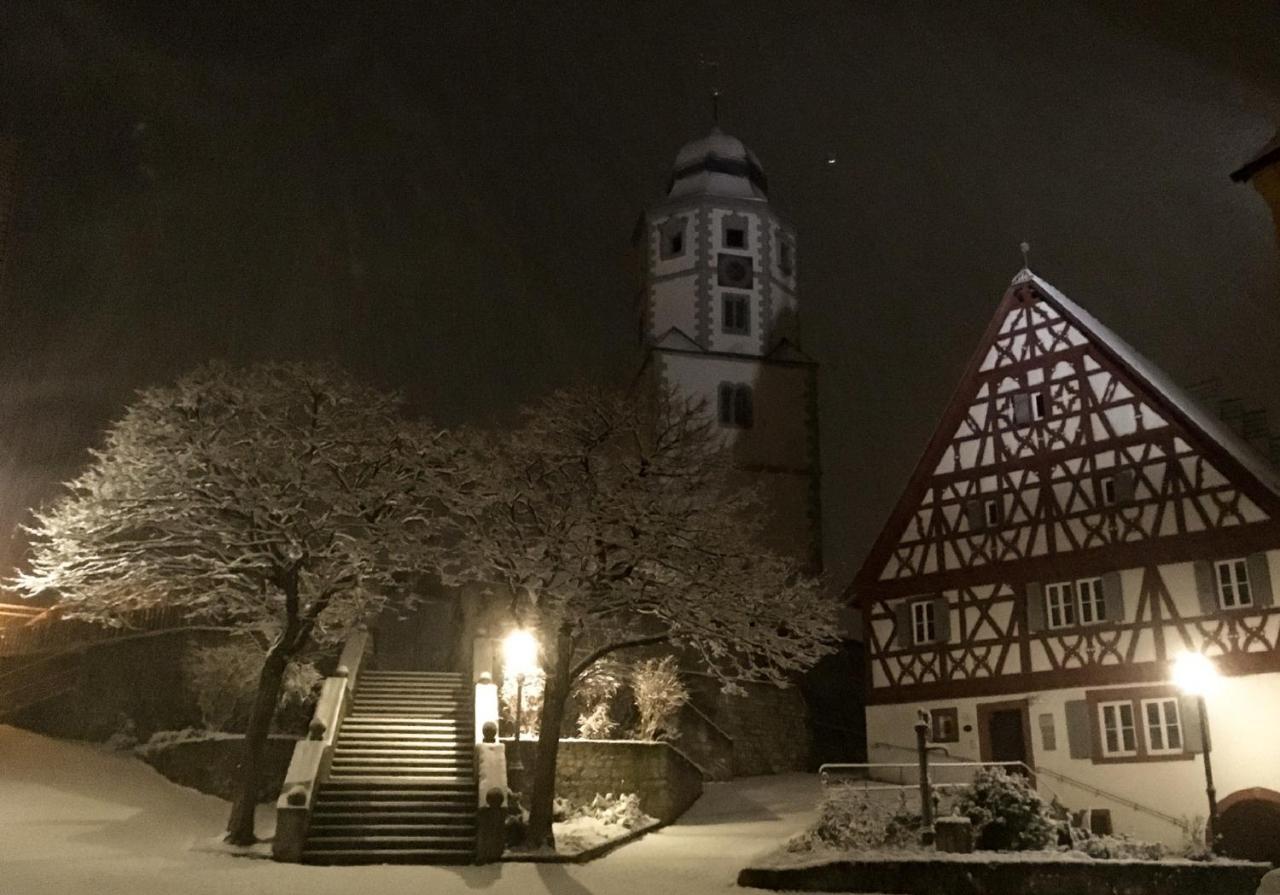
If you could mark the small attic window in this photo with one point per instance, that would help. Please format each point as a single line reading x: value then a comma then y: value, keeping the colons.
x: 735, y: 238
x: 671, y: 239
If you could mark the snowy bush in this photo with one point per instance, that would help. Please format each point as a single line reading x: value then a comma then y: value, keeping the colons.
x: 595, y: 693
x: 622, y: 810
x: 1195, y: 847
x: 658, y: 693
x: 224, y: 679
x: 1121, y: 847
x: 851, y: 818
x: 1007, y: 814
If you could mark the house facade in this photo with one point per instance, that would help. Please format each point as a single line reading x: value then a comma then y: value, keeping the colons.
x: 1077, y: 522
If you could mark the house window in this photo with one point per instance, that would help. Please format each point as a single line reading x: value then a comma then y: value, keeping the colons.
x: 1060, y: 600
x: 786, y: 258
x: 991, y: 512
x: 1163, y: 726
x: 1233, y: 583
x: 734, y: 405
x: 1107, y: 486
x: 735, y: 314
x: 1119, y: 737
x: 1093, y: 603
x: 675, y: 243
x: 1028, y: 407
x: 924, y: 624
x: 735, y: 238
x: 671, y: 242
x: 944, y: 725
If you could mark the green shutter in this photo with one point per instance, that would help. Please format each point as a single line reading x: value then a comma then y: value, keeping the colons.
x: 942, y: 619
x: 1260, y: 580
x: 1113, y: 595
x: 1079, y: 729
x: 902, y: 615
x: 1035, y: 607
x: 1192, y: 725
x: 1206, y: 587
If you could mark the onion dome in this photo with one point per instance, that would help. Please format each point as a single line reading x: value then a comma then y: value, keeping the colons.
x: 718, y: 165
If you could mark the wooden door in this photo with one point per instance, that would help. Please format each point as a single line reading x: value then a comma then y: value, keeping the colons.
x: 1004, y: 734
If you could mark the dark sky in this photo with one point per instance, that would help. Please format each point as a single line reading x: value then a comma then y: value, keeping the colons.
x: 441, y: 196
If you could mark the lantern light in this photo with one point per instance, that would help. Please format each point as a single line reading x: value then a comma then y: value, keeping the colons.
x: 1194, y: 673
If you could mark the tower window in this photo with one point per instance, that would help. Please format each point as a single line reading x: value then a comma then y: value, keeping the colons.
x: 735, y: 405
x: 786, y: 258
x: 735, y: 238
x: 735, y: 314
x: 671, y: 238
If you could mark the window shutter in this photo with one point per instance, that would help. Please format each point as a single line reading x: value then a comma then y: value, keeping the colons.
x: 942, y: 619
x: 1189, y: 714
x: 976, y: 514
x: 1113, y: 596
x: 1206, y: 587
x: 1124, y: 480
x: 1079, y: 729
x: 1021, y: 409
x: 1260, y: 580
x: 902, y: 615
x: 1035, y: 607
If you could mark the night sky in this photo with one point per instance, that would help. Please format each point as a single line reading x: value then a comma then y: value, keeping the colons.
x: 442, y: 196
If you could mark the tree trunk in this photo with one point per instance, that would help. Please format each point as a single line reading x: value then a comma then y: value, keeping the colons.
x: 240, y: 826
x: 554, y: 697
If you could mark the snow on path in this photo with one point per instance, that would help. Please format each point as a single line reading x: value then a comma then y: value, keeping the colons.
x: 76, y: 820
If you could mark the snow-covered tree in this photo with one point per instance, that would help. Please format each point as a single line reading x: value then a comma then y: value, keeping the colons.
x: 286, y: 500
x: 616, y: 523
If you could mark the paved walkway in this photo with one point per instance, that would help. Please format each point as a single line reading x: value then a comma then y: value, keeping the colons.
x: 75, y: 820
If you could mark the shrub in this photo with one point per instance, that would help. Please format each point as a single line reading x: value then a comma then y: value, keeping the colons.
x: 596, y: 693
x: 658, y: 693
x: 622, y: 810
x: 1007, y: 814
x: 224, y: 679
x: 850, y: 818
x: 1121, y: 847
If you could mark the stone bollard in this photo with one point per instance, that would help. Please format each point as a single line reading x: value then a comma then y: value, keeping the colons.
x: 953, y: 834
x: 491, y: 834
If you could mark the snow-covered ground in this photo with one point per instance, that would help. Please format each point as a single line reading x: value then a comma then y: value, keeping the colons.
x: 76, y: 820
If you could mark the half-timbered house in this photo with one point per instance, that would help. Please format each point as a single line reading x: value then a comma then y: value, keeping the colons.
x: 1074, y: 524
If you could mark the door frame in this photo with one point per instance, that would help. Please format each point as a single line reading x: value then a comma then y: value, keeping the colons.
x: 986, y: 710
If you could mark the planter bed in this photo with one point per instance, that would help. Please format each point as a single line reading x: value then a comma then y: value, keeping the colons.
x: 997, y: 873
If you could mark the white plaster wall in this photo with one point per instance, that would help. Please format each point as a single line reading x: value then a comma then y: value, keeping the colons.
x: 1243, y: 727
x: 674, y: 305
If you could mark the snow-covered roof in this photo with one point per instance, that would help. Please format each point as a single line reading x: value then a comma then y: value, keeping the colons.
x: 1160, y: 382
x: 720, y: 165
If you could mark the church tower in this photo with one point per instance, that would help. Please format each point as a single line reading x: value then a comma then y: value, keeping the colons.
x: 719, y: 319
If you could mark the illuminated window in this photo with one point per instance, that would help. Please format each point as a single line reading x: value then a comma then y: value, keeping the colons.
x: 1119, y: 737
x: 924, y: 623
x: 1233, y: 583
x: 1163, y: 726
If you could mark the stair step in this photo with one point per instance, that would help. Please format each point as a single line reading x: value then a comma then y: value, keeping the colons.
x: 389, y: 856
x: 426, y: 741
x: 350, y: 779
x: 458, y: 840
x: 375, y: 826
x: 463, y: 804
x: 390, y: 812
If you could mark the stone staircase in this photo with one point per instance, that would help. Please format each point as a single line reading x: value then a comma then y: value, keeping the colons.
x: 401, y: 788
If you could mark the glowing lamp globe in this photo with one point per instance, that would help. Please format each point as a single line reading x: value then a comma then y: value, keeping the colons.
x: 520, y: 652
x: 1194, y: 673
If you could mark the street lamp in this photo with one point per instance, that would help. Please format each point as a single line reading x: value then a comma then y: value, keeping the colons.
x: 1195, y: 675
x: 520, y: 657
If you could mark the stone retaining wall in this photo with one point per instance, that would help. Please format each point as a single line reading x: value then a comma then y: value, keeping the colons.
x: 212, y: 766
x: 1003, y: 874
x: 666, y: 781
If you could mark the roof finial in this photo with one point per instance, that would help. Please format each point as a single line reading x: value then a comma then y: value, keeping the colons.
x: 715, y: 107
x: 1026, y: 252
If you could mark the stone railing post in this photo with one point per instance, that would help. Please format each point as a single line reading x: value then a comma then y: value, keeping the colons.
x: 491, y: 775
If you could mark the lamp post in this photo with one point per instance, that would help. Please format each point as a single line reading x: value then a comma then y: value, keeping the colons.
x: 1194, y: 674
x: 520, y: 659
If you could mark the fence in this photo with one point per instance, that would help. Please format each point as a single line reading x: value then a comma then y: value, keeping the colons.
x: 49, y: 631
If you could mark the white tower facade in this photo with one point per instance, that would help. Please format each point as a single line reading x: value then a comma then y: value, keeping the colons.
x: 720, y: 320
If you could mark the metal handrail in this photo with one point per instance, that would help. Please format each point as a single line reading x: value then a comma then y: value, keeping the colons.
x: 1040, y: 770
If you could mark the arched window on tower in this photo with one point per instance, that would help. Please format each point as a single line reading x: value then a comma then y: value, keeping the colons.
x: 735, y: 405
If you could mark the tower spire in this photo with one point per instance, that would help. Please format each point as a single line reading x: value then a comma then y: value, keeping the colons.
x: 715, y: 107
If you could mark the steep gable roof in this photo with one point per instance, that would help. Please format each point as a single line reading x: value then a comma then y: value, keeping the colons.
x: 1036, y: 332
